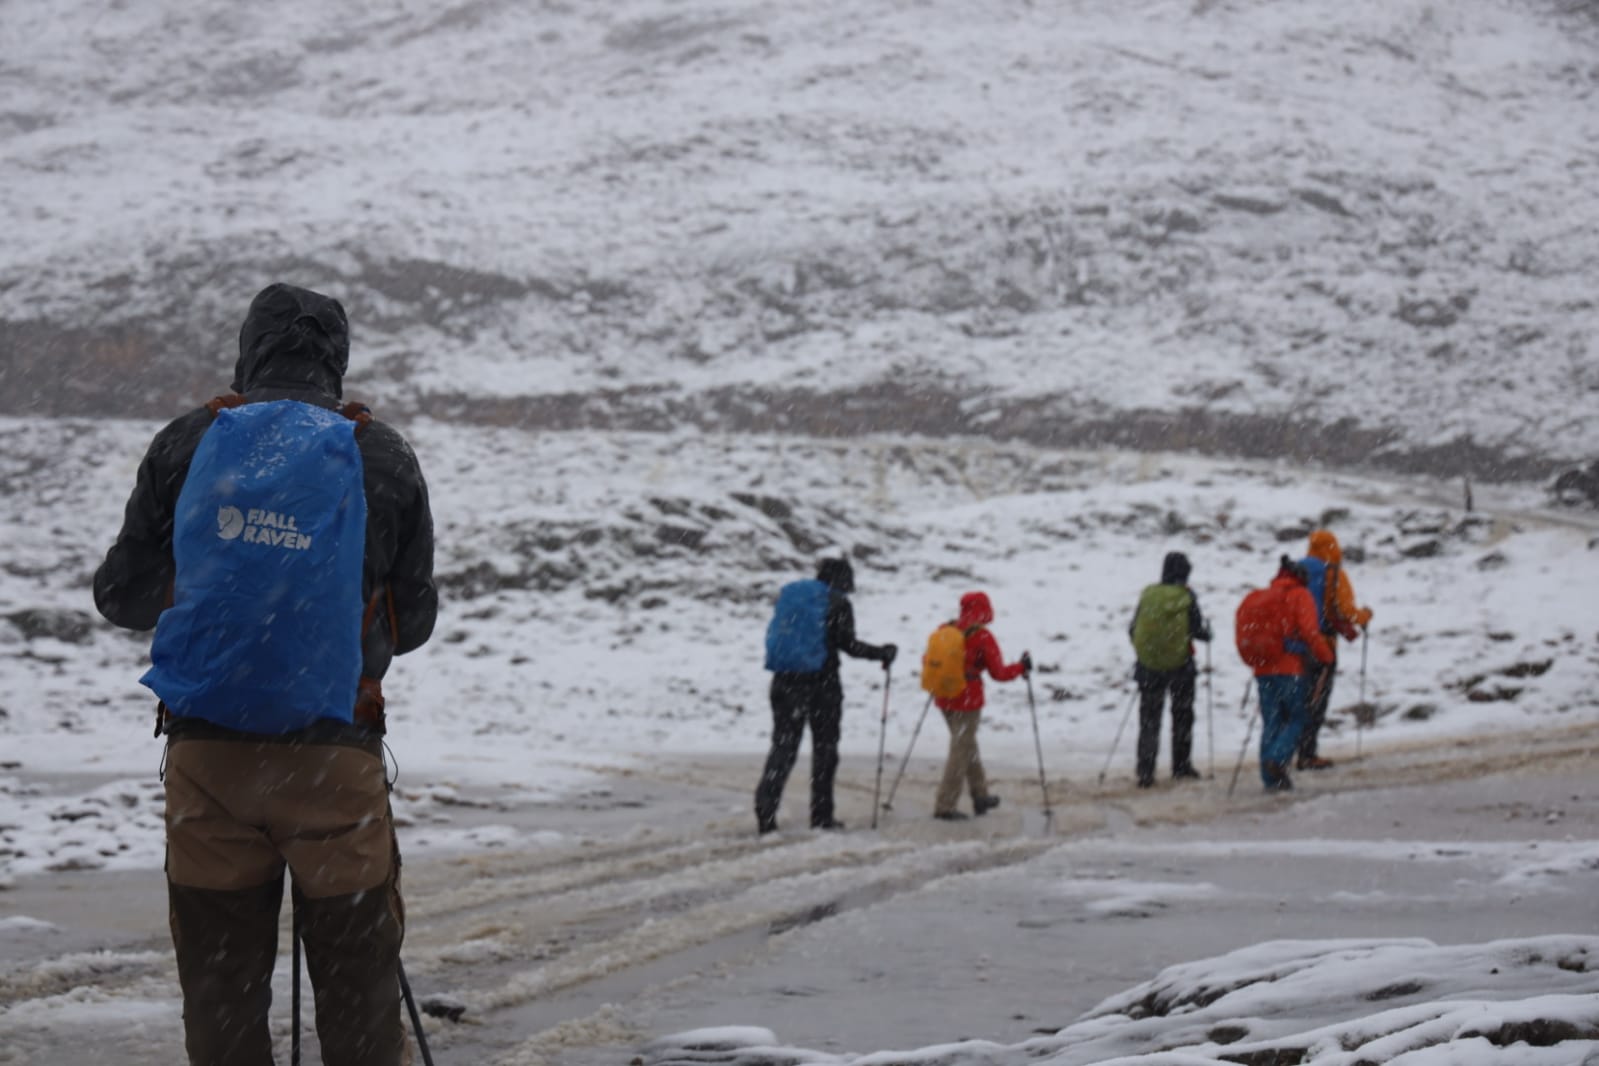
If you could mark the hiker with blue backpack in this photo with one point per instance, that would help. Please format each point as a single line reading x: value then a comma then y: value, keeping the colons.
x: 1338, y: 616
x: 812, y: 625
x: 1165, y: 624
x: 280, y: 544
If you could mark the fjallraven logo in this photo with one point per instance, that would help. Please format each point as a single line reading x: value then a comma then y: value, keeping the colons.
x: 260, y: 526
x: 230, y: 523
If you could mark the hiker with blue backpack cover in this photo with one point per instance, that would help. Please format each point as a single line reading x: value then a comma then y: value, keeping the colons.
x: 280, y: 544
x: 812, y: 625
x: 1338, y: 616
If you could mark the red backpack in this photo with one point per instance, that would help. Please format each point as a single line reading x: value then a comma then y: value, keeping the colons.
x: 1260, y: 627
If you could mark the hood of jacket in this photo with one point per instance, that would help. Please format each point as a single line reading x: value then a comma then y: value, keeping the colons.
x: 1324, y: 546
x: 836, y: 574
x: 975, y: 610
x: 293, y: 338
x: 1175, y: 569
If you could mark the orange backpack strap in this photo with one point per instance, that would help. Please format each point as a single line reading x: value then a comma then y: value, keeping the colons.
x: 217, y: 404
x: 357, y: 412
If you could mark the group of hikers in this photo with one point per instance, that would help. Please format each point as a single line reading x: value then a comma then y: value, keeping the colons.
x: 279, y: 541
x: 1286, y: 633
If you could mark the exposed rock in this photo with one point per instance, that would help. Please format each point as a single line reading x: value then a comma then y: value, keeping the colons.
x: 58, y: 623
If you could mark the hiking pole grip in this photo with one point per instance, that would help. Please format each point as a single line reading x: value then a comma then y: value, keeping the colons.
x: 888, y: 804
x: 416, y: 1018
x: 882, y: 739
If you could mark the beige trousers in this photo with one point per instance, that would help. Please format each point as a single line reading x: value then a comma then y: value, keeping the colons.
x: 965, y: 765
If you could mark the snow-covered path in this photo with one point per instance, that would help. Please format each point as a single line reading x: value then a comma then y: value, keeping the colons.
x: 651, y: 908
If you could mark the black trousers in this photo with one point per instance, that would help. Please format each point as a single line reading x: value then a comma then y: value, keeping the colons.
x: 1152, y: 688
x: 799, y: 700
x: 1318, y: 694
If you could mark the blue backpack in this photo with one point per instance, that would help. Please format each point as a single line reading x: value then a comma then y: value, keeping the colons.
x: 796, y: 638
x: 1317, y: 574
x: 269, y: 537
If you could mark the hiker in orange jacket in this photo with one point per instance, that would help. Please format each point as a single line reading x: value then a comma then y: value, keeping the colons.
x: 1336, y: 613
x: 963, y: 713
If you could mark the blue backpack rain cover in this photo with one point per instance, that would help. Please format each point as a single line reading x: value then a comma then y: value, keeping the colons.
x: 264, y: 632
x: 796, y: 638
x: 1316, y: 582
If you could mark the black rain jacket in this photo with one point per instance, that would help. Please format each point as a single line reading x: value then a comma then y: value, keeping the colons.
x: 294, y: 345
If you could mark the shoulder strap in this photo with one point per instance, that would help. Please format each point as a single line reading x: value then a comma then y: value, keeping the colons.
x: 354, y: 410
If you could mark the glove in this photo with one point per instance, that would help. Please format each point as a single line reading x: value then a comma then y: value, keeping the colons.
x: 890, y: 651
x: 1027, y: 663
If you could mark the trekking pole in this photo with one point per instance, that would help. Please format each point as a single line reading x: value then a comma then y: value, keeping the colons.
x: 882, y: 739
x: 416, y: 1018
x: 1210, y: 714
x: 1248, y: 733
x: 1111, y: 754
x: 1038, y: 745
x: 294, y: 984
x: 1365, y: 634
x: 888, y: 804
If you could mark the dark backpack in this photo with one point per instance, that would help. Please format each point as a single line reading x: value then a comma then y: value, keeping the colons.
x: 269, y: 537
x: 1160, y: 628
x: 796, y: 637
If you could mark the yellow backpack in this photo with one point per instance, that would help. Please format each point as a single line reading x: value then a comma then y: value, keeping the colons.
x: 944, y: 662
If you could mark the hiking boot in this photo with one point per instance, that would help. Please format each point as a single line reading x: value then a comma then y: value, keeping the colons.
x: 1276, y: 775
x: 763, y: 828
x: 950, y: 816
x: 1282, y: 784
x: 1146, y: 782
x: 1315, y: 762
x: 830, y: 824
x: 1184, y: 771
x: 983, y: 804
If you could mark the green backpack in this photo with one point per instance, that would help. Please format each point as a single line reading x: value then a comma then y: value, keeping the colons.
x: 1160, y: 631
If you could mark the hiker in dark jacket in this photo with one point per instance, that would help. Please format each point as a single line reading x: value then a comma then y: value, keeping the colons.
x: 242, y: 806
x: 1164, y: 627
x: 815, y: 698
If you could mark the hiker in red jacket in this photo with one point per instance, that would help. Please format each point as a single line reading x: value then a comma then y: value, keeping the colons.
x: 964, y: 712
x: 1276, y: 630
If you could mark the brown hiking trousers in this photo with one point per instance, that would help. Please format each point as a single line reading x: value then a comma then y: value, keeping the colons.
x: 964, y: 765
x: 240, y: 810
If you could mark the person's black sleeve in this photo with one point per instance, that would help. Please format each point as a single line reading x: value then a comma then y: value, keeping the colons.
x: 1132, y: 627
x: 399, y: 551
x: 134, y: 582
x: 841, y: 632
x: 1198, y: 628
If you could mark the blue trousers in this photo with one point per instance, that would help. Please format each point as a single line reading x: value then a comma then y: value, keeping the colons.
x: 1282, y: 711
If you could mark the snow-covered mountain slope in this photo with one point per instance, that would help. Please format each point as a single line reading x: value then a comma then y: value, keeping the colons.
x: 1362, y: 232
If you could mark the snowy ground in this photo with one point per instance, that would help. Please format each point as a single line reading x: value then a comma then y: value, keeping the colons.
x: 1366, y: 913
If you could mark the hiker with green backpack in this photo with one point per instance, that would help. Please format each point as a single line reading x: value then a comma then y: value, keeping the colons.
x: 1164, y: 627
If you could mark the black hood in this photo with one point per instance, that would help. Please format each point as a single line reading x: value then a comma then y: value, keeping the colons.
x: 836, y: 574
x: 1175, y: 570
x: 293, y: 338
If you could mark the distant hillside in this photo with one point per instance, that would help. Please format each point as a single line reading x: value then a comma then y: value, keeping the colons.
x: 1363, y: 232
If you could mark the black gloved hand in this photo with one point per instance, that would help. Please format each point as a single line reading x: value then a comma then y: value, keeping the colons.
x: 890, y: 651
x: 1027, y: 663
